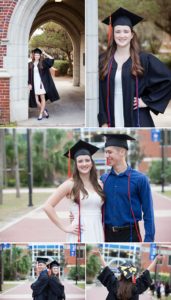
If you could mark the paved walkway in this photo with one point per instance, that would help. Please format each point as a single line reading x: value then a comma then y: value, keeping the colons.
x: 23, y: 291
x: 69, y: 111
x: 38, y: 228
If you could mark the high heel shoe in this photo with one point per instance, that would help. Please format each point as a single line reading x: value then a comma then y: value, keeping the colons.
x: 46, y: 113
x: 40, y: 117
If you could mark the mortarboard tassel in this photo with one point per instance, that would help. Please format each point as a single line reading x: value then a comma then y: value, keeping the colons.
x: 110, y: 30
x: 69, y: 164
x: 133, y: 279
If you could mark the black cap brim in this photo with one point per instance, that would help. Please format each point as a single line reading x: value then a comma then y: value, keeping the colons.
x: 54, y: 263
x: 43, y: 260
x: 81, y: 148
x: 38, y: 51
x: 124, y: 17
x: 118, y: 140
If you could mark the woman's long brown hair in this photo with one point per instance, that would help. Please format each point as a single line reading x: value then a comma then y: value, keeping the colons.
x: 79, y: 186
x: 125, y: 288
x: 137, y: 69
x: 40, y: 64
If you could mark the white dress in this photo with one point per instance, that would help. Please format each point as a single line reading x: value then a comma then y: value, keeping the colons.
x: 38, y: 84
x: 91, y: 219
x: 118, y: 107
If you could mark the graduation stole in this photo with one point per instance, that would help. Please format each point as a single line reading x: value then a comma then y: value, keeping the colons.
x: 108, y: 96
x: 79, y: 221
x: 137, y: 100
x: 132, y: 212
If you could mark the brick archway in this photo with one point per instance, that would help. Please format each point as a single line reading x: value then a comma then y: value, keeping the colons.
x: 24, y: 17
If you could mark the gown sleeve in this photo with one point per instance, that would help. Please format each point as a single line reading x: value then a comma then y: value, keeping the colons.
x: 29, y: 73
x: 48, y: 62
x: 143, y: 282
x: 39, y: 285
x: 102, y: 115
x: 57, y: 288
x: 108, y: 279
x: 157, y: 93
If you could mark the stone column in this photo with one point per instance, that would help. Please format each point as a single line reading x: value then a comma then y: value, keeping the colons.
x: 91, y: 63
x: 76, y: 66
x: 82, y: 60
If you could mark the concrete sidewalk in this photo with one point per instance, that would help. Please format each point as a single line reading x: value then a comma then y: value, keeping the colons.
x: 69, y: 111
x: 36, y: 227
x: 23, y: 291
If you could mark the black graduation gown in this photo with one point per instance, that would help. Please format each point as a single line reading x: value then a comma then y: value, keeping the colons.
x: 56, y: 289
x: 108, y: 279
x: 154, y: 87
x: 40, y: 287
x: 51, y: 91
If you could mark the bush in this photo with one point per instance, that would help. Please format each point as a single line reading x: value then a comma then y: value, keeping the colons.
x: 80, y: 273
x: 62, y: 66
x: 92, y: 268
x: 17, y: 264
x: 164, y: 277
x: 155, y: 172
x: 166, y: 59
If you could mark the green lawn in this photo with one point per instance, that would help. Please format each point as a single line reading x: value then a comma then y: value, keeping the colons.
x: 15, y: 207
x: 14, y: 124
x: 167, y: 193
x: 81, y: 285
x: 163, y: 297
x: 8, y: 286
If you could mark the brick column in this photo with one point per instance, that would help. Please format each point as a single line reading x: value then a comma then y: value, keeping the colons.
x: 4, y: 98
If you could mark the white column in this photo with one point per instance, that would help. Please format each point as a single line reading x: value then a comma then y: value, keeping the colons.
x: 91, y: 63
x: 82, y: 59
x: 76, y: 67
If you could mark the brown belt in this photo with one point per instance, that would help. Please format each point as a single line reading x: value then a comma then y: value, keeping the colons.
x: 120, y: 228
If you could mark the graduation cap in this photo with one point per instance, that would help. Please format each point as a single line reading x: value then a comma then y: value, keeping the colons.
x: 54, y: 263
x: 81, y: 148
x: 128, y: 270
x: 118, y: 140
x: 37, y: 50
x: 43, y: 260
x: 122, y: 17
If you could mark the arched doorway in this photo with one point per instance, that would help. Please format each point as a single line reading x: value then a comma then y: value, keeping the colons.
x: 27, y: 16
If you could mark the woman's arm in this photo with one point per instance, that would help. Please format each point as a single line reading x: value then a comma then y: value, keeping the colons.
x: 47, y: 55
x: 154, y: 262
x: 49, y: 207
x: 97, y: 253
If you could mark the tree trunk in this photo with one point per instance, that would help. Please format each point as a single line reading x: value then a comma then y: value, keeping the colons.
x: 17, y: 173
x: 1, y: 164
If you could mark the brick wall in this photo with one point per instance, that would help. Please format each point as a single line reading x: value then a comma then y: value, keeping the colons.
x: 151, y: 150
x: 4, y: 101
x: 164, y: 267
x: 71, y: 260
x: 6, y: 10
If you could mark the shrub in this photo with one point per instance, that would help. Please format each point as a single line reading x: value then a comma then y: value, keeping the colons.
x: 80, y: 273
x: 155, y: 172
x: 62, y: 66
